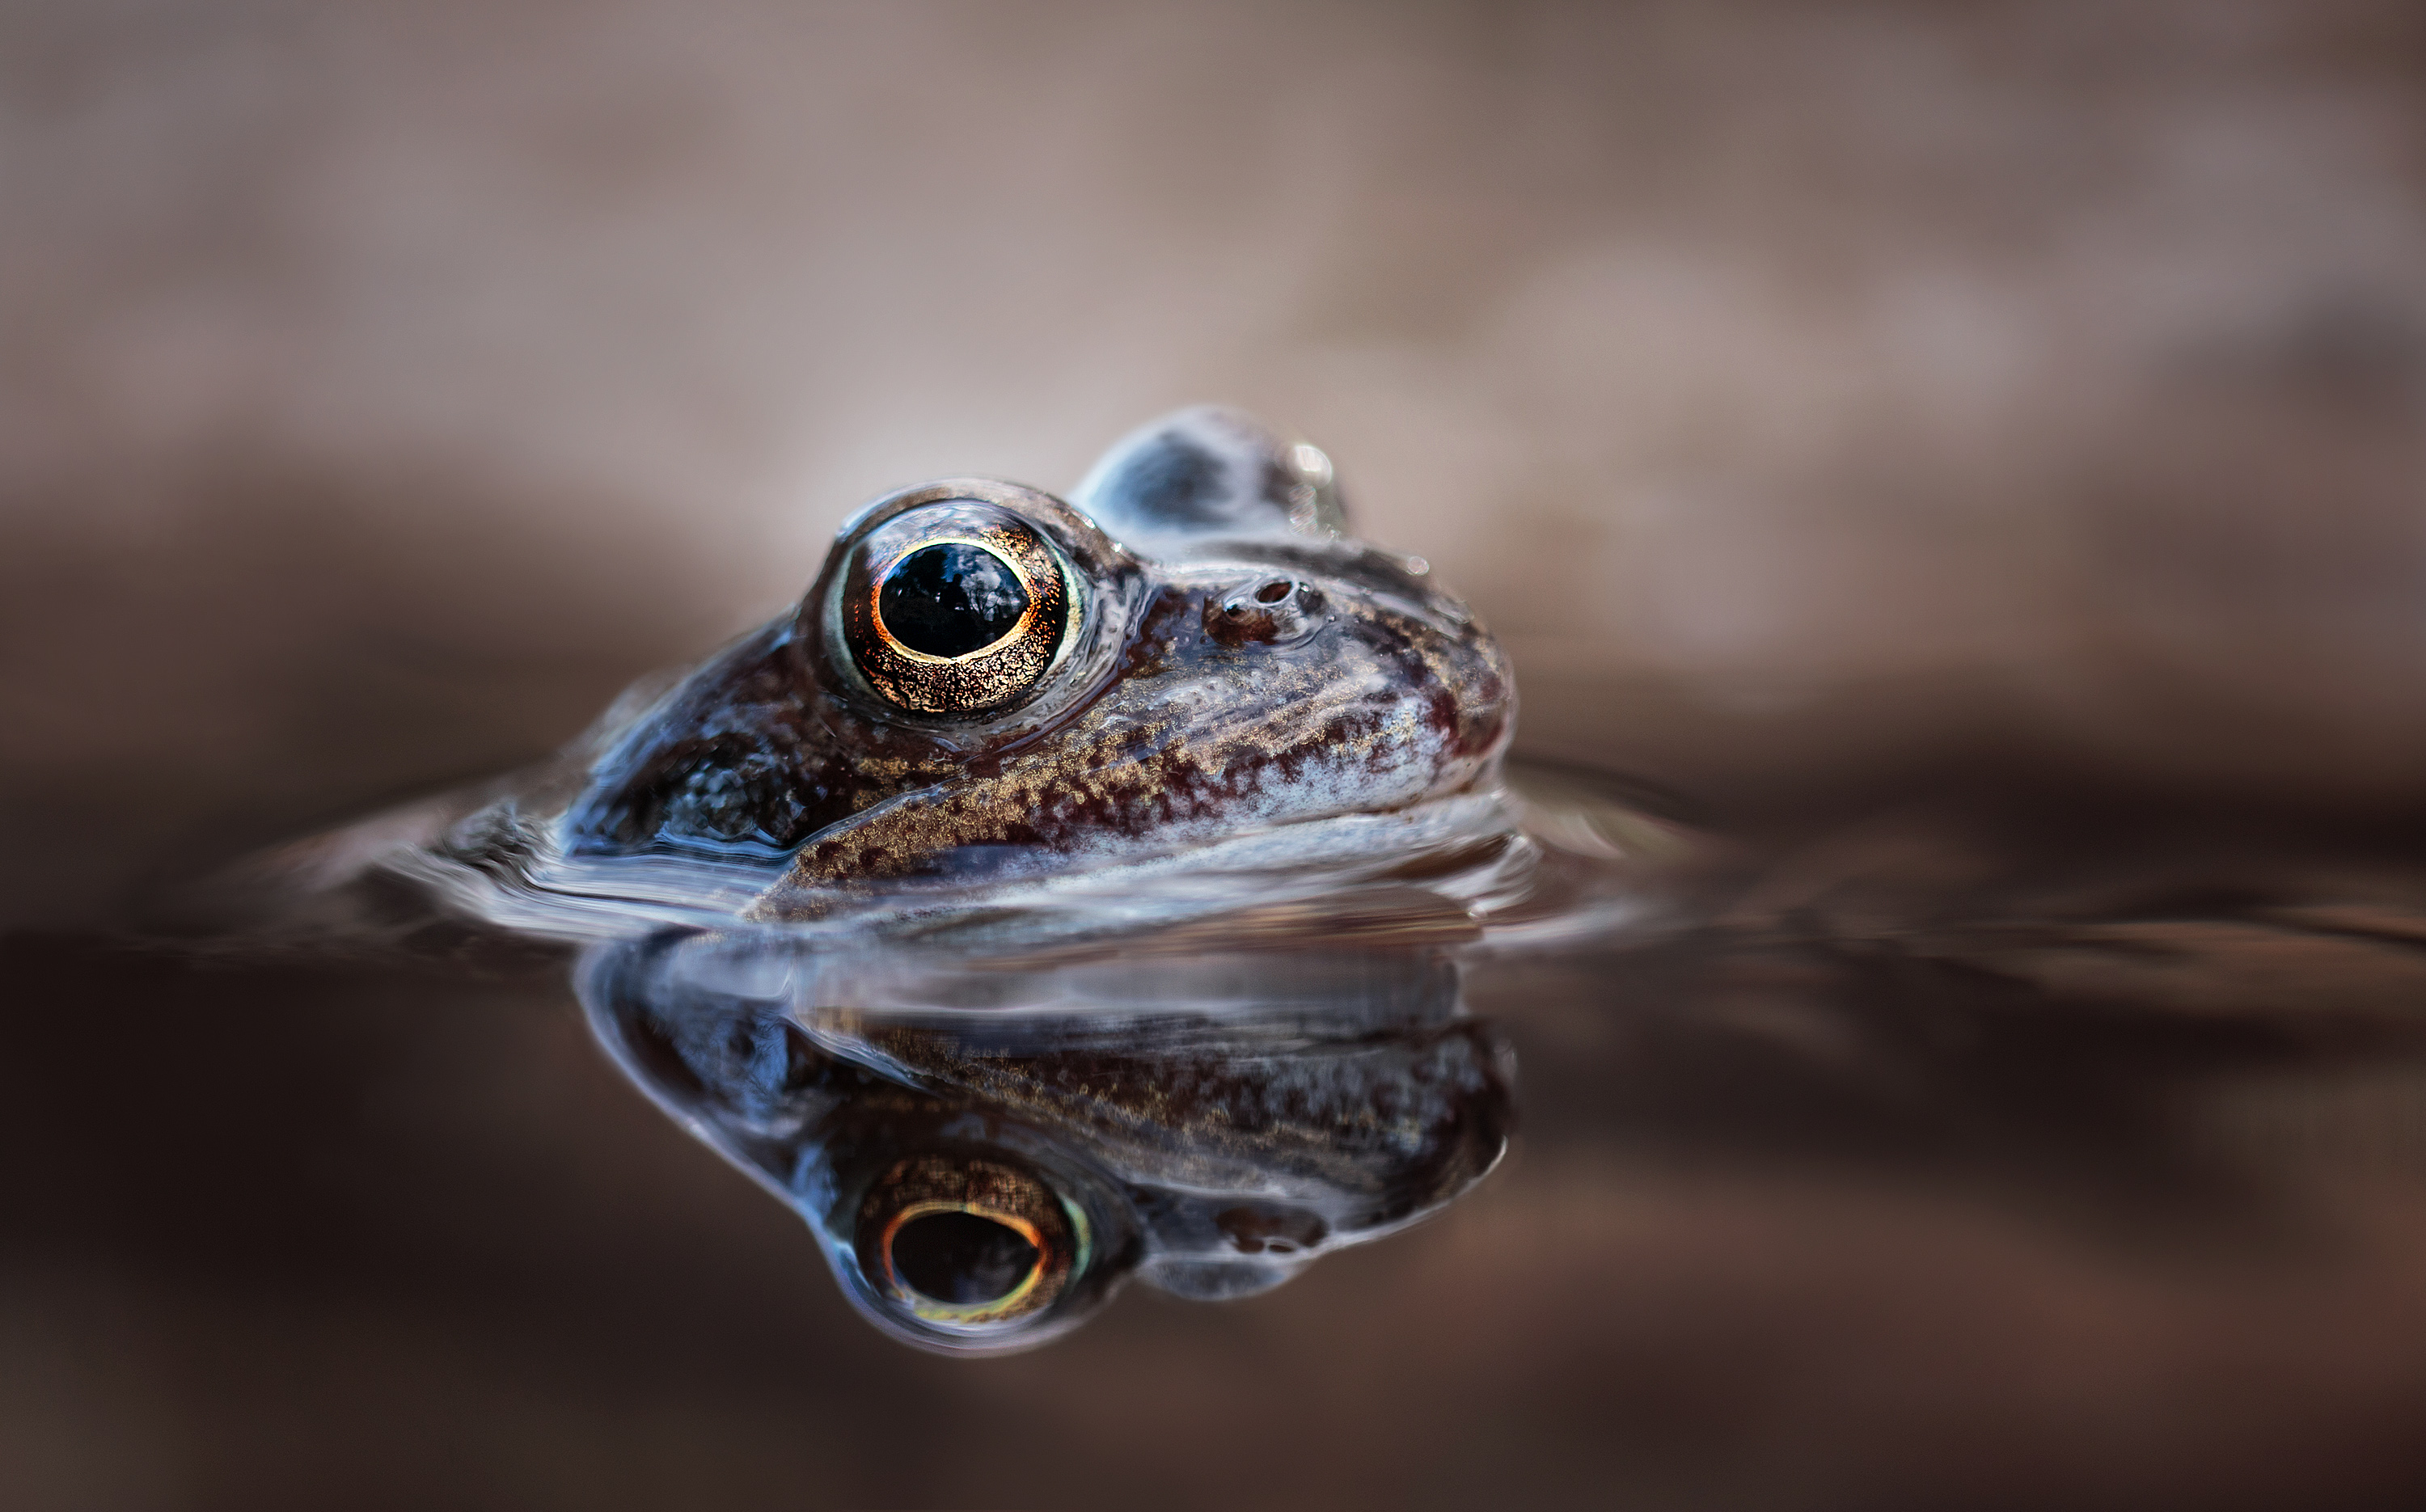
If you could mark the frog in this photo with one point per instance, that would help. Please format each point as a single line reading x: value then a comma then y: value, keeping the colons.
x: 988, y: 684
x: 1184, y: 686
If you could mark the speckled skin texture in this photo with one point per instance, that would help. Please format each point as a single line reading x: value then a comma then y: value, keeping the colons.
x: 1231, y: 661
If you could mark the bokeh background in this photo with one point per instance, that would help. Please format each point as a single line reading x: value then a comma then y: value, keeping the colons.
x: 1820, y: 399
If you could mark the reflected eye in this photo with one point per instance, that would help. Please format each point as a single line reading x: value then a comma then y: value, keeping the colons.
x: 961, y: 608
x: 966, y: 1243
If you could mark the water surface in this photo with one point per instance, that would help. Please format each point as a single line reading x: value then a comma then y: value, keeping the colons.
x: 2013, y: 1143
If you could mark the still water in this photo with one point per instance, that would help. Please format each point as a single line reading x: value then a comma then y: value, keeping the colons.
x: 2028, y: 1143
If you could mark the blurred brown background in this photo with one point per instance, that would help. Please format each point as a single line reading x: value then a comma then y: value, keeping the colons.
x: 1812, y: 395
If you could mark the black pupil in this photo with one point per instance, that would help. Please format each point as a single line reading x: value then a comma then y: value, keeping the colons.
x: 961, y: 1258
x: 950, y: 599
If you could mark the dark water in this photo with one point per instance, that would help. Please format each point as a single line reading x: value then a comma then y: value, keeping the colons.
x: 2023, y: 1144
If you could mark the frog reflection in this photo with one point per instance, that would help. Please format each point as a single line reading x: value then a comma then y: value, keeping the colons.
x: 987, y: 1149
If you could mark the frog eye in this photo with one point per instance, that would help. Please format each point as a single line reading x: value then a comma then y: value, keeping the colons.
x: 958, y: 608
x: 967, y: 1246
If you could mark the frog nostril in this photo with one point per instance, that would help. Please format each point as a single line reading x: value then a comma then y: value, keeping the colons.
x: 1272, y: 611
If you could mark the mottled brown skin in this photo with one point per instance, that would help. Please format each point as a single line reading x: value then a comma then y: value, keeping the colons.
x: 1235, y: 671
